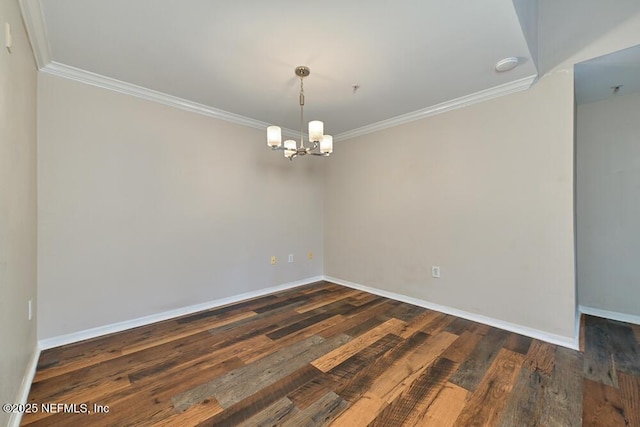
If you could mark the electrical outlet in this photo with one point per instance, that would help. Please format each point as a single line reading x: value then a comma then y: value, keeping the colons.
x: 290, y: 257
x: 30, y: 309
x: 435, y: 271
x: 310, y: 255
x: 273, y: 260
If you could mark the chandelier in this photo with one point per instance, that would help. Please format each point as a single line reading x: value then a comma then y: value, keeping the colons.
x: 322, y: 145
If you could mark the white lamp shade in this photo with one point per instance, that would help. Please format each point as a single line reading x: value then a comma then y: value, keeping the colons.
x: 274, y: 136
x: 326, y: 144
x: 290, y: 147
x: 316, y: 129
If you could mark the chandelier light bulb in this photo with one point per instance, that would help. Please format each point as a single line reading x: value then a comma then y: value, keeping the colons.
x: 326, y: 145
x: 289, y: 147
x: 274, y: 136
x: 316, y: 129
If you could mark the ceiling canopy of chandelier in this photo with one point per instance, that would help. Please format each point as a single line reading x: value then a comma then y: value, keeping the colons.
x: 321, y: 145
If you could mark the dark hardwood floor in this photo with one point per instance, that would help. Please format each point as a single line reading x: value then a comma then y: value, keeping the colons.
x: 325, y: 354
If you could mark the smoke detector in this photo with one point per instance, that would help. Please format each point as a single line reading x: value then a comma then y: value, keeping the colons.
x: 507, y: 64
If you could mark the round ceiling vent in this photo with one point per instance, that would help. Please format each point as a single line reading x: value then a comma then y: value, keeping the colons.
x: 506, y: 64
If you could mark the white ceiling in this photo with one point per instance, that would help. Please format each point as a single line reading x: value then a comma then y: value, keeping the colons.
x: 239, y: 57
x: 596, y: 78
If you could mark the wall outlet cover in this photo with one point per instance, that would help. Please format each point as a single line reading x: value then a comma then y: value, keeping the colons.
x: 435, y: 271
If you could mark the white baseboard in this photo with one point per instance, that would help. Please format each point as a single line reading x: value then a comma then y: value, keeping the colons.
x: 613, y: 315
x: 569, y: 342
x: 25, y: 386
x: 142, y: 321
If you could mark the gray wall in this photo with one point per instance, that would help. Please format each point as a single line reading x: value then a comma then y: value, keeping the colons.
x: 608, y: 204
x: 17, y: 206
x: 484, y: 192
x: 144, y: 208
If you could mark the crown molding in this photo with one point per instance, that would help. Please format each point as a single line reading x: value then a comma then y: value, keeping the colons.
x: 463, y: 101
x: 87, y: 77
x: 36, y: 30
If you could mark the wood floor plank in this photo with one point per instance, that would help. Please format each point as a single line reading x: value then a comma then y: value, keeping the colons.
x: 254, y: 404
x: 340, y: 354
x: 322, y: 302
x: 185, y: 332
x: 400, y: 374
x: 410, y: 406
x: 297, y: 326
x: 352, y: 379
x: 485, y: 404
x: 479, y: 328
x: 473, y: 369
x: 309, y: 393
x: 598, y: 361
x: 176, y: 363
x: 562, y: 400
x: 241, y: 383
x: 363, y: 298
x: 366, y: 326
x: 636, y: 332
x: 518, y: 343
x: 624, y: 347
x: 526, y: 400
x: 142, y: 402
x: 273, y: 415
x: 320, y: 413
x: 458, y: 326
x: 462, y: 347
x: 404, y: 371
x: 298, y: 300
x: 93, y: 381
x: 630, y: 397
x: 315, y: 329
x: 438, y: 324
x: 192, y: 416
x: 406, y: 312
x: 109, y: 347
x: 447, y: 406
x: 148, y: 363
x: 602, y: 406
x: 350, y: 369
x: 541, y: 357
x: 352, y: 320
x: 418, y: 323
x: 51, y: 365
x: 150, y: 402
x: 362, y: 412
x: 256, y: 325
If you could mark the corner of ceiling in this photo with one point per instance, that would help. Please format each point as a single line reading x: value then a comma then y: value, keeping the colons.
x: 37, y: 31
x: 98, y: 80
x: 464, y: 101
x: 527, y: 13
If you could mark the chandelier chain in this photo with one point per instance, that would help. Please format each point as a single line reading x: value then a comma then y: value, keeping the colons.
x: 301, y: 112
